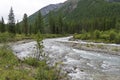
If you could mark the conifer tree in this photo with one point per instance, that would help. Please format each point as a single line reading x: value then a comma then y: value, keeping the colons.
x: 60, y: 23
x: 2, y: 25
x: 39, y: 23
x: 25, y: 24
x: 18, y: 27
x: 52, y: 23
x: 11, y: 21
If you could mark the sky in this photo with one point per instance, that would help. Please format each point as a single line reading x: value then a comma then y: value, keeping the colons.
x: 23, y: 6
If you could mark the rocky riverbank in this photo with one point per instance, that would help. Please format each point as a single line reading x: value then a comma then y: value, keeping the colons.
x: 77, y: 63
x: 113, y: 49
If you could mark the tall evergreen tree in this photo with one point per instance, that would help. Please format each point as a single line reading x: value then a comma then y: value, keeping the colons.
x: 18, y: 27
x: 2, y: 25
x: 11, y: 21
x: 25, y: 24
x: 60, y: 24
x: 39, y: 23
x: 52, y: 23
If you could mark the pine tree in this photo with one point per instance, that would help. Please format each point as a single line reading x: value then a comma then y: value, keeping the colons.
x: 52, y: 23
x: 11, y: 21
x: 18, y: 27
x: 25, y: 24
x: 39, y: 23
x: 60, y: 24
x: 2, y: 25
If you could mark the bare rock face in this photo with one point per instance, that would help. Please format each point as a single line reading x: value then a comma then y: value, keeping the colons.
x: 50, y: 7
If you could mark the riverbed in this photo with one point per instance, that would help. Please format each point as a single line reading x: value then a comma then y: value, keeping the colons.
x: 78, y: 64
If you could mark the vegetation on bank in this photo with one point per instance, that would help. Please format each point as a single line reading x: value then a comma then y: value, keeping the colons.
x: 9, y: 37
x: 12, y: 68
x: 111, y: 36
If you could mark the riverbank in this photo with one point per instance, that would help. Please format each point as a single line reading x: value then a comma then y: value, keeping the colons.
x: 76, y: 63
x: 113, y: 49
x: 18, y: 64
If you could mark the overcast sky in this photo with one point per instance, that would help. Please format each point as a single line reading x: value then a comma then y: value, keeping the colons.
x: 23, y: 6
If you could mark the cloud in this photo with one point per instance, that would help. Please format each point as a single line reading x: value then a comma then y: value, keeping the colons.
x: 23, y: 6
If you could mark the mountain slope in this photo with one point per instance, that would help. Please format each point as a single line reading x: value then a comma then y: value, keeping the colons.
x: 90, y: 9
x: 87, y: 15
x: 81, y: 9
x: 45, y: 10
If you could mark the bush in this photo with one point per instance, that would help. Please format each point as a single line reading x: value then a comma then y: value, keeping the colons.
x: 85, y: 36
x: 112, y: 36
x: 118, y: 39
x: 5, y: 37
x: 32, y: 62
x: 97, y: 34
x: 105, y: 37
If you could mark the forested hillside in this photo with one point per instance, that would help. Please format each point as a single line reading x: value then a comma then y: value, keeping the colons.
x: 73, y: 16
x: 91, y: 14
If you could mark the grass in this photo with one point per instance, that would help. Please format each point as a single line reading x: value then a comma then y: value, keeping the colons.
x: 11, y: 68
x: 8, y: 37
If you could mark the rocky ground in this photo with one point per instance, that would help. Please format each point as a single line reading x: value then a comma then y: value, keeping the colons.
x: 113, y: 49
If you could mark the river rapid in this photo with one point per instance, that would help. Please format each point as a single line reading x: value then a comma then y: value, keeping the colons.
x: 78, y: 64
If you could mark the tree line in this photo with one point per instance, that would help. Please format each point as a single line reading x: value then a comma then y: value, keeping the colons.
x: 22, y: 27
x: 57, y: 24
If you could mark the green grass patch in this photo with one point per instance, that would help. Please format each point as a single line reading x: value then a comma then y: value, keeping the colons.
x: 11, y: 68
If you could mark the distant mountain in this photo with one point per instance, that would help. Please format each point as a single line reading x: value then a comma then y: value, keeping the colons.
x: 82, y: 9
x: 77, y: 15
x: 49, y: 8
x: 76, y: 10
x: 45, y: 10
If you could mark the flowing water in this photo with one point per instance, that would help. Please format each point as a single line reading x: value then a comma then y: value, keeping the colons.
x: 79, y: 64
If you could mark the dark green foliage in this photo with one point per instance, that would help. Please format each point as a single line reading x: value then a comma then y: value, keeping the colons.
x: 77, y: 15
x: 5, y: 37
x: 2, y: 25
x: 97, y: 34
x: 32, y: 62
x: 110, y: 36
x: 11, y: 22
x: 118, y: 38
x: 56, y: 24
x: 87, y: 15
x: 25, y: 25
x: 18, y: 28
x: 52, y: 23
x: 39, y: 23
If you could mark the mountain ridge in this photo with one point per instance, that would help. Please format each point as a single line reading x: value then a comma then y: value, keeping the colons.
x: 45, y: 10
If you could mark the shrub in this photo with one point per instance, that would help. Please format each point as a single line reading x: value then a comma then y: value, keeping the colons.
x: 32, y: 62
x: 118, y: 39
x: 112, y: 36
x: 85, y: 36
x: 5, y: 37
x: 97, y: 34
x: 105, y: 36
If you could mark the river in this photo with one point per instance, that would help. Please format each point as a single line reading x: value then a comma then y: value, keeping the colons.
x: 79, y: 64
